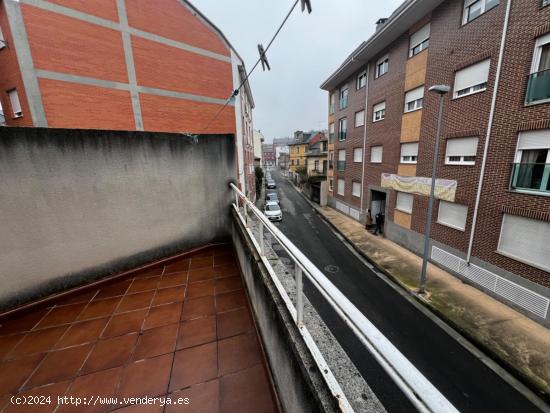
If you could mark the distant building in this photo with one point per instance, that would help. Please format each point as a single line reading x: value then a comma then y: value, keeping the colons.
x: 268, y: 155
x: 298, y: 149
x: 258, y: 142
x: 283, y: 161
x: 280, y: 146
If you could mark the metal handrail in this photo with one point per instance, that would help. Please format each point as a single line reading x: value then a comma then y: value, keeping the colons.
x: 421, y: 393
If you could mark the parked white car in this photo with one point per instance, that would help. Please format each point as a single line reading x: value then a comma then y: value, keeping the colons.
x: 273, y: 211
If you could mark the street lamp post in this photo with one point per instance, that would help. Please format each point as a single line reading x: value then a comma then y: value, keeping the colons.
x: 441, y: 90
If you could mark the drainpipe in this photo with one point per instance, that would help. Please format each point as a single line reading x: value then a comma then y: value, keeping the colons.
x: 365, y: 135
x: 489, y: 130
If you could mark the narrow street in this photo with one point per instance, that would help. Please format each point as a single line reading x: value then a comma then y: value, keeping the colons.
x: 461, y: 377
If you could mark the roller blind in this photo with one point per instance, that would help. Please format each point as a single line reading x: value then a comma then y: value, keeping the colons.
x: 421, y: 35
x: 453, y: 215
x: 356, y: 189
x: 342, y: 155
x: 379, y: 106
x: 357, y: 154
x: 536, y: 139
x: 376, y: 154
x: 360, y: 118
x: 14, y: 100
x: 472, y: 75
x: 525, y: 239
x: 414, y: 94
x: 341, y: 186
x: 404, y: 202
x: 409, y: 149
x: 462, y: 147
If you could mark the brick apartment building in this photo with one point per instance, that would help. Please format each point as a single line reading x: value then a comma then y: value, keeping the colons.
x: 495, y: 141
x: 268, y: 155
x: 122, y: 65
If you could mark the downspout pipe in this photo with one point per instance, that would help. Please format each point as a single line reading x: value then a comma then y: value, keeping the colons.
x: 365, y: 136
x: 489, y: 130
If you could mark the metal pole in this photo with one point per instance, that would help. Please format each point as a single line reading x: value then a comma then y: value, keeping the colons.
x: 299, y: 296
x: 428, y: 227
x: 245, y: 211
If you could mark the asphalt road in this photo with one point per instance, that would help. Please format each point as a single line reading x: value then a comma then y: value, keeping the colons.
x: 461, y: 377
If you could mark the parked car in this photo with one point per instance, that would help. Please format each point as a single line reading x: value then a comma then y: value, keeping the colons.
x: 273, y: 211
x: 271, y: 184
x: 272, y: 196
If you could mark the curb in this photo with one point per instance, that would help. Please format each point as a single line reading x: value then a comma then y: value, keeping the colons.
x: 538, y: 397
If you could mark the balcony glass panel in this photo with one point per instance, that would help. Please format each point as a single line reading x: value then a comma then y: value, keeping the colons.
x: 538, y: 87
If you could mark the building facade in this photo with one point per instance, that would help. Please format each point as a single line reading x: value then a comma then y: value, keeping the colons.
x: 122, y: 65
x: 268, y: 155
x: 494, y: 230
x: 298, y: 149
x: 258, y: 141
x: 280, y: 146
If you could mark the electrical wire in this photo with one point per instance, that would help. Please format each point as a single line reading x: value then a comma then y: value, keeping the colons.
x: 243, y: 82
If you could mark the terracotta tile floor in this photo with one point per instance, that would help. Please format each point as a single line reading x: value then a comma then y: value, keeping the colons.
x: 181, y: 330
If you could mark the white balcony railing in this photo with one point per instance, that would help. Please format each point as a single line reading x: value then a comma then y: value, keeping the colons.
x: 422, y: 394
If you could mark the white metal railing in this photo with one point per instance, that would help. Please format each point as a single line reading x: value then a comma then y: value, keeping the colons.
x: 422, y: 394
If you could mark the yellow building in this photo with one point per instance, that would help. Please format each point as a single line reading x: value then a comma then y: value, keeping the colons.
x: 298, y: 149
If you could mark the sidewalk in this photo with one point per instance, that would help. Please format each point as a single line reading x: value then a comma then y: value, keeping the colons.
x: 508, y: 336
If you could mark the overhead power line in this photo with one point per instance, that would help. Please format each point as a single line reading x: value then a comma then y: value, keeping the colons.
x: 305, y: 4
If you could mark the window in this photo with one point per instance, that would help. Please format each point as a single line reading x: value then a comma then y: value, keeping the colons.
x: 419, y: 41
x: 344, y: 97
x: 413, y: 99
x: 379, y: 111
x: 330, y: 183
x: 409, y: 152
x: 531, y: 170
x: 330, y: 159
x: 342, y: 129
x: 461, y: 151
x: 341, y: 159
x: 356, y: 189
x: 382, y: 66
x: 332, y: 103
x: 361, y: 80
x: 359, y: 118
x: 525, y: 240
x: 545, y: 3
x: 452, y: 215
x: 404, y: 202
x: 15, y: 105
x: 331, y: 132
x: 358, y: 155
x: 341, y: 187
x: 472, y: 79
x: 376, y: 154
x: 2, y: 40
x: 538, y: 87
x: 475, y: 8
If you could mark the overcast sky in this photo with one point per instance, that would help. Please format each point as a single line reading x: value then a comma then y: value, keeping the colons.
x: 306, y: 52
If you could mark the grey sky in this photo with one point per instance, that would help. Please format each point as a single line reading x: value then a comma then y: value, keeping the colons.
x: 306, y: 52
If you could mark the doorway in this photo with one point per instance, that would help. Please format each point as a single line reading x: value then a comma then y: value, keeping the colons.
x: 377, y: 202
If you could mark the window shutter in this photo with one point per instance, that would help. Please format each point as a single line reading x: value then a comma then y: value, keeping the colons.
x: 360, y: 118
x: 462, y: 147
x: 379, y: 106
x: 376, y: 154
x: 404, y: 202
x: 421, y: 35
x: 452, y: 215
x: 409, y: 149
x: 357, y: 154
x: 525, y: 239
x: 341, y: 186
x: 342, y: 155
x: 14, y: 100
x: 356, y: 189
x: 472, y: 75
x: 536, y: 139
x: 414, y: 94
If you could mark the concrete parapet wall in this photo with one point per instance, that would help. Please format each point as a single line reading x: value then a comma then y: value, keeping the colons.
x: 80, y: 204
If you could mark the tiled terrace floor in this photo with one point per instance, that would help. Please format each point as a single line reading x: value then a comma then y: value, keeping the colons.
x: 182, y: 330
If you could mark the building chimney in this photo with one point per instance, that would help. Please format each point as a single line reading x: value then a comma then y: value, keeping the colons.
x: 380, y: 22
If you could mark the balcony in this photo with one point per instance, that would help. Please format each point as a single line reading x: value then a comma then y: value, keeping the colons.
x: 341, y: 166
x: 331, y: 138
x: 330, y: 164
x: 120, y: 286
x: 534, y: 177
x: 538, y: 88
